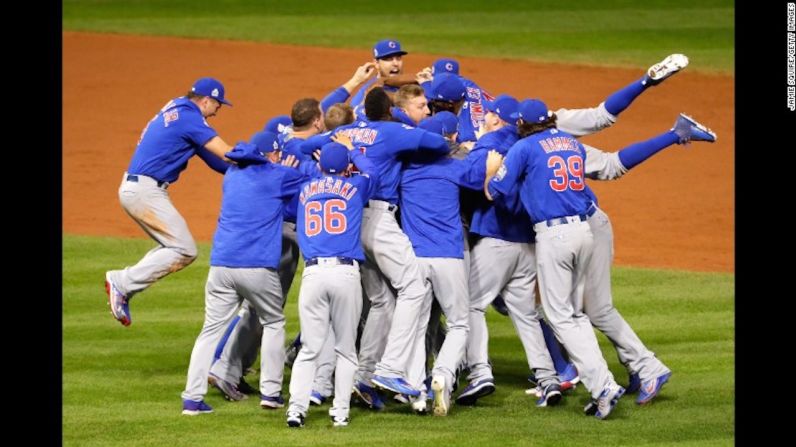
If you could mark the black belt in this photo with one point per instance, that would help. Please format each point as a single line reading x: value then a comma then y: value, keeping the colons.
x: 389, y: 208
x: 134, y: 178
x: 562, y: 220
x: 340, y: 260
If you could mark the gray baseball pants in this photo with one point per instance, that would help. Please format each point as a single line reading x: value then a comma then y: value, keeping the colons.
x: 330, y: 296
x: 150, y: 207
x: 599, y: 307
x: 226, y: 288
x: 391, y: 251
x: 509, y: 269
x: 563, y: 254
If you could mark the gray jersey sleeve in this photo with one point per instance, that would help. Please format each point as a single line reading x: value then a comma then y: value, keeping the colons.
x: 580, y: 122
x: 603, y: 165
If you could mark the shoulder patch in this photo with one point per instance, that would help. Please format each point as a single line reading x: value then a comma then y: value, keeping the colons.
x: 406, y: 126
x: 169, y: 116
x: 501, y: 172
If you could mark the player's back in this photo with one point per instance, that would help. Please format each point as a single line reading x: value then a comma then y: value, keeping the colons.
x: 330, y: 216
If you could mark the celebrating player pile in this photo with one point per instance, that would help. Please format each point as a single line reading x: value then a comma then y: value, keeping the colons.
x: 424, y: 196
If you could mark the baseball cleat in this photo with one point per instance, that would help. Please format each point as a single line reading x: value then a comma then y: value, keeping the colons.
x: 591, y: 408
x: 608, y: 400
x: 120, y: 309
x: 569, y: 378
x: 419, y: 405
x: 193, y: 408
x: 551, y: 395
x: 650, y: 388
x: 245, y: 388
x: 500, y: 306
x: 317, y: 398
x: 228, y: 390
x: 665, y: 68
x: 369, y: 395
x: 442, y: 397
x: 633, y: 383
x: 476, y: 390
x: 688, y: 129
x: 395, y: 384
x: 271, y: 402
x: 295, y: 419
x: 338, y: 420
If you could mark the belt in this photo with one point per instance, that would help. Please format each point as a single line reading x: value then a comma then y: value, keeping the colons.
x: 571, y: 219
x: 134, y: 178
x: 381, y: 205
x: 334, y: 260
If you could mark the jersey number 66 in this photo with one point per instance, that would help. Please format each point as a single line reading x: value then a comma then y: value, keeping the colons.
x: 327, y: 217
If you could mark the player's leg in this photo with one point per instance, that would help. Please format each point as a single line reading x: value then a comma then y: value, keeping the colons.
x: 322, y: 385
x: 225, y: 373
x: 378, y: 321
x: 314, y: 314
x: 346, y: 307
x: 449, y: 281
x: 602, y: 313
x: 491, y: 263
x: 384, y: 242
x: 288, y: 260
x: 520, y: 297
x: 151, y: 207
x: 221, y: 303
x: 562, y: 253
x: 261, y: 287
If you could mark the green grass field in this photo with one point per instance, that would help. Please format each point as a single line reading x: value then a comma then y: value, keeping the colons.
x: 607, y: 32
x: 121, y: 386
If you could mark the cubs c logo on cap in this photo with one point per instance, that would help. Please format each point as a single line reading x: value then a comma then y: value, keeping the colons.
x: 276, y: 145
x: 375, y: 52
x: 391, y: 44
x: 214, y: 93
x: 449, y: 66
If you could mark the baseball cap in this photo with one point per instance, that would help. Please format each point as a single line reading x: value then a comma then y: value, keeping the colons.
x: 531, y: 111
x: 432, y: 125
x: 446, y: 87
x: 212, y: 88
x: 445, y: 65
x: 278, y: 124
x: 387, y: 47
x: 449, y: 121
x: 334, y: 158
x: 265, y: 141
x: 503, y: 106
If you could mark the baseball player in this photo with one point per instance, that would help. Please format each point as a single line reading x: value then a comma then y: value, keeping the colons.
x: 472, y: 112
x: 548, y: 166
x: 388, y: 59
x: 502, y: 262
x: 389, y: 253
x: 243, y: 261
x: 329, y: 224
x: 175, y: 134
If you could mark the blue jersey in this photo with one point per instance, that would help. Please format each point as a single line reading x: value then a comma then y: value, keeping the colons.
x: 382, y: 142
x: 549, y: 166
x: 169, y: 140
x: 430, y: 204
x: 330, y: 212
x: 249, y: 231
x: 358, y: 100
x: 472, y: 113
x: 503, y: 219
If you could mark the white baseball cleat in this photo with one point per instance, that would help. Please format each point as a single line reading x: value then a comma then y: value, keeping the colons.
x: 665, y: 68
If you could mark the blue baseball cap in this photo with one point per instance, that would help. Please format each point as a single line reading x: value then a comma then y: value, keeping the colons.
x: 278, y: 124
x: 531, y: 111
x: 445, y: 66
x: 387, y: 47
x: 432, y: 125
x: 334, y: 158
x: 449, y: 121
x: 504, y: 106
x: 212, y: 88
x: 265, y: 141
x: 446, y: 87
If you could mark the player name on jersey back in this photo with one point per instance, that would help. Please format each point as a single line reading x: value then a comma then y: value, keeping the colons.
x: 556, y: 144
x: 328, y: 185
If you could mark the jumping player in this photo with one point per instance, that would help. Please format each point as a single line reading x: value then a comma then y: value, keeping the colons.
x: 174, y: 135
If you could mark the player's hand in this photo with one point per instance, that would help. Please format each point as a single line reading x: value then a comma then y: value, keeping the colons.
x: 480, y: 131
x: 493, y: 162
x: 290, y: 161
x: 467, y: 145
x: 344, y: 139
x: 363, y: 72
x: 424, y: 75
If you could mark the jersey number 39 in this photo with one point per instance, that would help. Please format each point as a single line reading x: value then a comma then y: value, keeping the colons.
x: 327, y: 217
x: 567, y: 174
